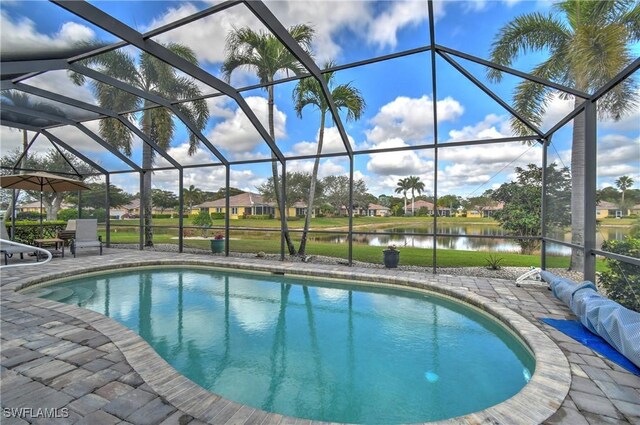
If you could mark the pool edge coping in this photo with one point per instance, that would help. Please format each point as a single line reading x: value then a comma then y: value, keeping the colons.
x: 536, y: 402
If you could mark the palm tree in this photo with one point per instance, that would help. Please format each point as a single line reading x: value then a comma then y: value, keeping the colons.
x: 192, y: 196
x: 588, y: 43
x: 624, y: 183
x: 403, y: 187
x: 416, y: 185
x: 264, y: 54
x: 153, y: 76
x: 309, y: 92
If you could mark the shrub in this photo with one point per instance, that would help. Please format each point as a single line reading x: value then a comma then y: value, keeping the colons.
x: 493, y: 262
x: 68, y: 214
x: 27, y: 215
x: 218, y: 215
x: 27, y: 231
x: 202, y: 219
x: 100, y: 214
x: 259, y: 217
x: 621, y: 280
x: 162, y: 215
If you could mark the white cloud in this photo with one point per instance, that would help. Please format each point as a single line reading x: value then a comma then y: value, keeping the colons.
x: 375, y: 25
x: 237, y: 135
x: 332, y: 142
x: 396, y: 163
x: 21, y: 35
x: 327, y: 167
x: 411, y: 119
x: 384, y: 29
x: 618, y: 155
x: 492, y: 127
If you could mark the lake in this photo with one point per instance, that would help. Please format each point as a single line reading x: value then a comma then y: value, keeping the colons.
x: 401, y: 237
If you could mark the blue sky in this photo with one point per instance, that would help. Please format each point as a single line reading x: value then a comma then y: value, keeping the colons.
x: 398, y: 93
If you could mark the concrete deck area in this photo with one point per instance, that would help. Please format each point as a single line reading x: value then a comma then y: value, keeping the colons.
x: 58, y: 356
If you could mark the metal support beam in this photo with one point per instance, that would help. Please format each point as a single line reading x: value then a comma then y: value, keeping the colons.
x: 627, y: 71
x: 180, y: 210
x: 141, y: 218
x: 515, y: 72
x: 24, y: 67
x: 590, y: 175
x: 18, y: 125
x: 490, y: 93
x: 264, y: 14
x: 66, y: 159
x: 544, y: 205
x: 283, y: 208
x: 227, y: 205
x: 57, y: 141
x: 23, y: 154
x: 107, y: 202
x: 108, y: 147
x: 571, y: 115
x: 110, y: 24
x: 350, y: 257
x: 434, y: 87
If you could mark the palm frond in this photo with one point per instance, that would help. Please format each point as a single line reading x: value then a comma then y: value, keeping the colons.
x: 532, y: 32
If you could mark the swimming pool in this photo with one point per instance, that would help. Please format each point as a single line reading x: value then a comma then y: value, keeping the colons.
x: 313, y: 349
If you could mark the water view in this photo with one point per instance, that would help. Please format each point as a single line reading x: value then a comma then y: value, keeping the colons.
x: 402, y: 237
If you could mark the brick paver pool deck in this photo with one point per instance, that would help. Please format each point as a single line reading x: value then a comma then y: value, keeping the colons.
x: 60, y: 356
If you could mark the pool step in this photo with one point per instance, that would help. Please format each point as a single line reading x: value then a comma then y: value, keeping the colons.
x: 83, y: 295
x: 60, y: 294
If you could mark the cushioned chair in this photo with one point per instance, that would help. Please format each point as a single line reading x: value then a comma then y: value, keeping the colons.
x: 86, y: 235
x: 8, y: 250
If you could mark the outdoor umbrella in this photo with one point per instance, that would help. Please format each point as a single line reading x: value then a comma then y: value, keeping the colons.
x: 44, y: 182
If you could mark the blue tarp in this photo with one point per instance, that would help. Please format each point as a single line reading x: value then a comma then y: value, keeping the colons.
x: 575, y: 330
x: 617, y: 325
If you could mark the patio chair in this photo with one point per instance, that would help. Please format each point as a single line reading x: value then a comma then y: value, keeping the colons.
x: 7, y: 249
x: 86, y: 235
x: 69, y: 232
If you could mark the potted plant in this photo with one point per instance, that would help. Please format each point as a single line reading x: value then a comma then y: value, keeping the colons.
x: 217, y: 243
x: 391, y: 257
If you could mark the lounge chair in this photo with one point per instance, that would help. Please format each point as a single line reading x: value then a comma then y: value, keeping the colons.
x: 86, y: 235
x: 7, y: 249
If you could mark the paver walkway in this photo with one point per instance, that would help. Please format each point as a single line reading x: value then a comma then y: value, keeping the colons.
x: 51, y: 359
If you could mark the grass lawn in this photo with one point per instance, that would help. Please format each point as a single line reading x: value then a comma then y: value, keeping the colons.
x: 361, y: 252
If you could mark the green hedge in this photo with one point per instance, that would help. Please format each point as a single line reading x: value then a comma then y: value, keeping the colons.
x: 259, y: 217
x: 162, y: 215
x: 27, y: 231
x: 218, y: 215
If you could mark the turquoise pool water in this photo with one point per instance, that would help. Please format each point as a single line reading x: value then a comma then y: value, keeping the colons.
x: 313, y: 349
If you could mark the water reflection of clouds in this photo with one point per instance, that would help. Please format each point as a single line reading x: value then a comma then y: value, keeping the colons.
x: 254, y: 305
x: 332, y: 295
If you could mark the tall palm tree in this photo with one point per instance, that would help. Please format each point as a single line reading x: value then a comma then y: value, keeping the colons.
x: 264, y: 54
x: 588, y: 43
x: 153, y: 76
x: 416, y: 185
x: 624, y: 183
x: 403, y: 187
x: 309, y: 92
x: 192, y: 196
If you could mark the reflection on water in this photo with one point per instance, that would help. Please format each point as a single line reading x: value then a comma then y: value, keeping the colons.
x: 401, y: 238
x: 313, y: 350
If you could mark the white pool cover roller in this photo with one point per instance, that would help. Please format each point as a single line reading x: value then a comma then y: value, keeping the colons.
x: 616, y: 324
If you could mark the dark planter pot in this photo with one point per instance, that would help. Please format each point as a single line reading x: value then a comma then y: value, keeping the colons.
x: 391, y: 258
x: 217, y: 246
